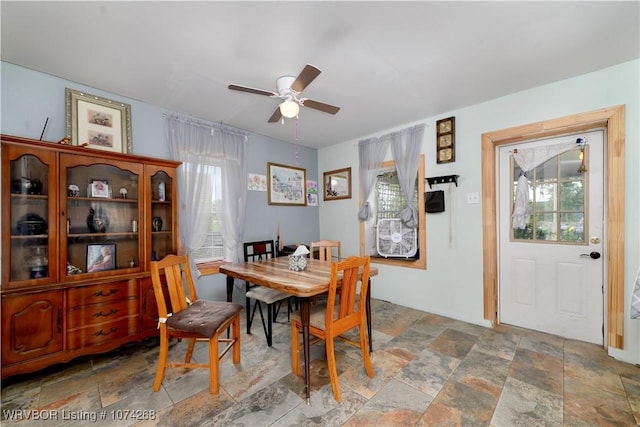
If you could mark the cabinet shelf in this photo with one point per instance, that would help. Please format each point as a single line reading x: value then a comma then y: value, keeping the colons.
x: 102, y: 199
x: 29, y: 236
x: 29, y: 196
x: 108, y: 235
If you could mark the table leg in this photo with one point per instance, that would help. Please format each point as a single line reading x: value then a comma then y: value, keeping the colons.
x: 368, y: 308
x: 229, y: 296
x: 229, y: 289
x: 305, y: 312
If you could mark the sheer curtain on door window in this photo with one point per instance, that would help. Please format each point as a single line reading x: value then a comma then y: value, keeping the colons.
x: 202, y: 147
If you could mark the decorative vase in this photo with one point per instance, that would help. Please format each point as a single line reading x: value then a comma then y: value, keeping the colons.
x: 37, y: 262
x: 97, y: 222
x: 156, y: 223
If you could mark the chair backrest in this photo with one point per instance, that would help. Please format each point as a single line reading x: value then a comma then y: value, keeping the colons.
x: 177, y: 274
x: 347, y: 274
x: 326, y: 250
x: 258, y: 251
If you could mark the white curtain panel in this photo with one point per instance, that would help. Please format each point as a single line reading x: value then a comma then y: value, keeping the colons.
x: 528, y: 159
x: 201, y: 147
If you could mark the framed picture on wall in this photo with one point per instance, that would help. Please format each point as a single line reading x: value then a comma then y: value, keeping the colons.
x: 97, y: 122
x: 446, y: 140
x: 286, y: 185
x: 337, y: 184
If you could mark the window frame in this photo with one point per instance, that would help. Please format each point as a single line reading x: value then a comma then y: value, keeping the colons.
x: 421, y: 261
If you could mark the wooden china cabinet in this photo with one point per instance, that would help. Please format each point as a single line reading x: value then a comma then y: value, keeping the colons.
x: 79, y: 229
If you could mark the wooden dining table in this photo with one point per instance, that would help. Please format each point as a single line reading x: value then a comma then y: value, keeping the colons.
x: 312, y: 281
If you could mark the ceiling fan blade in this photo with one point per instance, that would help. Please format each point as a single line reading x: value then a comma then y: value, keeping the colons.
x: 306, y: 76
x: 276, y: 116
x: 327, y: 108
x: 252, y: 90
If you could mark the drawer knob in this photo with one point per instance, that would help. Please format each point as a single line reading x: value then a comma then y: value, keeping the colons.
x: 103, y: 294
x: 101, y: 314
x: 102, y: 333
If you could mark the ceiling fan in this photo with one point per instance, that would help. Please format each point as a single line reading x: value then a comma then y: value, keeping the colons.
x: 289, y: 90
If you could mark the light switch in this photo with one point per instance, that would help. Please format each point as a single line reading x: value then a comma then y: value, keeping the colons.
x: 473, y: 198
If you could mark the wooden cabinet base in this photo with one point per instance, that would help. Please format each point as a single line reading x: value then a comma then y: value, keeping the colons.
x: 46, y: 327
x: 36, y: 364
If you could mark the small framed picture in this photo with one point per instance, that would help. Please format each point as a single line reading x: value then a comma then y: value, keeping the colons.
x: 446, y: 140
x: 101, y: 257
x: 337, y: 184
x: 99, y: 188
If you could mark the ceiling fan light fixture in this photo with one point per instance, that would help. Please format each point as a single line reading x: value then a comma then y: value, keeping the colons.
x: 289, y: 109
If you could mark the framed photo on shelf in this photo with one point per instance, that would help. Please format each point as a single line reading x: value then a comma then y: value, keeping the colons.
x: 337, y: 184
x: 286, y: 185
x: 99, y: 188
x: 101, y: 257
x: 97, y: 122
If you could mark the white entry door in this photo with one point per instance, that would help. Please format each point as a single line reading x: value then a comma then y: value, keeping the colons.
x: 551, y: 278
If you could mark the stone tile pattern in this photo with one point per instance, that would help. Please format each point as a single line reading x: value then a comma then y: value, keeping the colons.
x: 429, y: 371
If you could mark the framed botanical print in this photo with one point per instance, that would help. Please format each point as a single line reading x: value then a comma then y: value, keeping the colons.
x: 445, y: 140
x: 97, y: 122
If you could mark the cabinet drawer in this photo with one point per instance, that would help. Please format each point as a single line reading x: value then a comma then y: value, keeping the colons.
x: 101, y: 313
x: 101, y: 332
x: 102, y: 293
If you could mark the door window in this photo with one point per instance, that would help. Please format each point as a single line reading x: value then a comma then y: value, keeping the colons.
x: 557, y: 200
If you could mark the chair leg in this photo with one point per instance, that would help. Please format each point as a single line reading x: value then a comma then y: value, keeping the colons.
x: 214, y: 366
x: 256, y: 305
x: 295, y: 349
x: 190, y: 347
x: 333, y: 372
x: 236, y: 337
x: 365, y: 350
x: 162, y: 360
x: 269, y: 332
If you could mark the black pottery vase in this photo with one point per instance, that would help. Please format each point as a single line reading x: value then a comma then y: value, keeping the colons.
x: 97, y: 222
x: 156, y: 223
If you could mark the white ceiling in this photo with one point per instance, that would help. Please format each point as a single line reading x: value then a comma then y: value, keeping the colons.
x: 384, y: 63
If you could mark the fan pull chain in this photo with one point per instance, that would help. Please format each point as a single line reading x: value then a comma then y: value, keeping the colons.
x: 297, y: 155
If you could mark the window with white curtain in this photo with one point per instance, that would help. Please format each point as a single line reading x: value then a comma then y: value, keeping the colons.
x: 385, y: 202
x: 212, y: 249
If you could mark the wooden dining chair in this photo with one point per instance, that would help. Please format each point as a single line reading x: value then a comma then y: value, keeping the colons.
x: 331, y: 320
x: 325, y: 250
x: 273, y: 299
x: 187, y: 317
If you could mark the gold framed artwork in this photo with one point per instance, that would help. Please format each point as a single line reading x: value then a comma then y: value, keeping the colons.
x: 286, y: 185
x: 446, y: 140
x: 97, y: 122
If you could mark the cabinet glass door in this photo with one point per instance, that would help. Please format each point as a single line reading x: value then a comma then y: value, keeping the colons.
x: 162, y: 216
x: 32, y: 229
x: 102, y: 217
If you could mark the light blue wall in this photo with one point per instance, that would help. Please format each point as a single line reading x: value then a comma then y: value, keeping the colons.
x: 28, y: 97
x: 452, y: 284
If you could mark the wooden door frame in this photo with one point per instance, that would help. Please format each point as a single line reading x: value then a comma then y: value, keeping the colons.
x: 613, y: 120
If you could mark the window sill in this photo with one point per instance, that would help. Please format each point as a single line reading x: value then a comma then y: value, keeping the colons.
x: 211, y: 267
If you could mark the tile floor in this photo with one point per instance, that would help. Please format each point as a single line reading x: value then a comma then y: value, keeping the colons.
x: 429, y: 371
